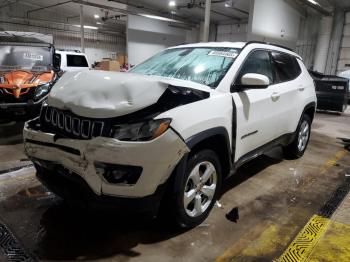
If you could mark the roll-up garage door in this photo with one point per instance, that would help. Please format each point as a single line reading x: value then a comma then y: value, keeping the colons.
x: 344, y: 56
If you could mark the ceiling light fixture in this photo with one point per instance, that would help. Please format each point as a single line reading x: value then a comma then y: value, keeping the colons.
x: 87, y: 27
x: 96, y: 16
x: 160, y: 18
x: 172, y: 3
x: 228, y: 4
x: 313, y: 2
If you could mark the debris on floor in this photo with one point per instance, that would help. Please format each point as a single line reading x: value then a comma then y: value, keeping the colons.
x: 345, y: 142
x: 218, y: 204
x: 233, y: 215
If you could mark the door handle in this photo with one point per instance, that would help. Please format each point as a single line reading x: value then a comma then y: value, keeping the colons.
x: 275, y: 96
x: 301, y: 88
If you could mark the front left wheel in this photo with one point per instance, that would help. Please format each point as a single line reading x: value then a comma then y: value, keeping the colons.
x: 195, y: 192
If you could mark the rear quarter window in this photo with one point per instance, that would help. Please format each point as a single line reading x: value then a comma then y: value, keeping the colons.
x: 286, y: 67
x: 77, y: 61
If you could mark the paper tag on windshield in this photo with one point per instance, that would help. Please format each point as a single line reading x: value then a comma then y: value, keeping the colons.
x: 224, y: 54
x: 33, y: 57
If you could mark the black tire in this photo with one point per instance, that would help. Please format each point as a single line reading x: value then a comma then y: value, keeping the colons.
x: 293, y: 151
x: 175, y: 207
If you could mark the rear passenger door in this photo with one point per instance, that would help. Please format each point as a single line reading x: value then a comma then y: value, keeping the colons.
x: 288, y: 88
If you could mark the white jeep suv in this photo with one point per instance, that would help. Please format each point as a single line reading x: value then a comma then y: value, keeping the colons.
x: 173, y: 128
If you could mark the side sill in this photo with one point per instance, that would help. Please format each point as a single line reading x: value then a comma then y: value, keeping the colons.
x: 280, y: 141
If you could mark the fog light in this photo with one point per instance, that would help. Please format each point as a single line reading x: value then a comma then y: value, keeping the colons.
x: 118, y: 174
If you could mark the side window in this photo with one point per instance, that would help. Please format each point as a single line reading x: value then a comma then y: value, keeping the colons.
x: 258, y: 62
x: 76, y: 61
x: 286, y: 67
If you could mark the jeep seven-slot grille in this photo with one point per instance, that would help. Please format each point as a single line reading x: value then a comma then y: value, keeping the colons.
x: 69, y: 125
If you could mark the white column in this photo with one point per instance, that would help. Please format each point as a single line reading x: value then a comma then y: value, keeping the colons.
x: 82, y: 40
x: 206, y: 21
x: 322, y: 46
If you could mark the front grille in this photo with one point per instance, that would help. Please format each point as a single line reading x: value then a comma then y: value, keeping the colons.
x: 66, y: 123
x: 6, y: 95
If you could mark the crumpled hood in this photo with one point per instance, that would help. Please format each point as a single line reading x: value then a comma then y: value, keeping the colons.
x: 101, y: 94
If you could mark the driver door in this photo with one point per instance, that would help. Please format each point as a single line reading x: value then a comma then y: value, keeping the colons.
x: 257, y: 116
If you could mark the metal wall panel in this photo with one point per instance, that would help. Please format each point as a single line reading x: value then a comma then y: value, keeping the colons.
x: 347, y: 18
x: 344, y: 56
x: 306, y: 43
x: 233, y: 33
x: 97, y: 45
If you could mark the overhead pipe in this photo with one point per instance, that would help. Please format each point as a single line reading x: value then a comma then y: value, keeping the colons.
x: 62, y: 30
x: 199, y: 5
x: 123, y: 11
x: 46, y: 7
x: 55, y: 23
x: 319, y: 8
x: 232, y: 7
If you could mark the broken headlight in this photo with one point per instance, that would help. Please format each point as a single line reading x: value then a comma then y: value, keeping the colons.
x: 42, y: 90
x: 142, y: 131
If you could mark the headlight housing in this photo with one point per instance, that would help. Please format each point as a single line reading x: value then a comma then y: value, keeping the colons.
x: 42, y: 90
x: 142, y: 131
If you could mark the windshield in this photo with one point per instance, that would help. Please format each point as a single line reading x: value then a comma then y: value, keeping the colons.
x: 204, y: 65
x: 27, y: 58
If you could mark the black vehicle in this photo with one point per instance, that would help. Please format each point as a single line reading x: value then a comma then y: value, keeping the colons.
x: 331, y: 91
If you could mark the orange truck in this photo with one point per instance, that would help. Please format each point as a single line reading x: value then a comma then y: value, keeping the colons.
x: 28, y: 69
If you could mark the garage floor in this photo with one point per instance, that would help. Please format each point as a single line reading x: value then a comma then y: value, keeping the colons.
x: 272, y: 200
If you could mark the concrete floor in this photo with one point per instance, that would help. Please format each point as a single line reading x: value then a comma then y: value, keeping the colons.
x: 274, y: 198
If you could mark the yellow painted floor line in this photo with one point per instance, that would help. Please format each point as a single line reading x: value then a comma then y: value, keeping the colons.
x: 301, y: 249
x: 302, y: 246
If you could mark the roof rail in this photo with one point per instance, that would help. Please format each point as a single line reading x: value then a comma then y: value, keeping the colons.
x: 267, y: 43
x: 66, y: 50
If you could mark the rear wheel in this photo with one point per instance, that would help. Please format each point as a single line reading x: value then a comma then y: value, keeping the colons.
x: 195, y: 193
x: 298, y: 146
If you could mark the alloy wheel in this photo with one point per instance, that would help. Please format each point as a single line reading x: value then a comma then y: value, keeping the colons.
x: 200, y: 189
x: 303, y: 136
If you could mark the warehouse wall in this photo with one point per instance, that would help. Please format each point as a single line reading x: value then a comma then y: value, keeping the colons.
x: 146, y: 36
x: 232, y: 33
x: 97, y: 45
x: 306, y: 43
x: 273, y: 19
x: 344, y: 55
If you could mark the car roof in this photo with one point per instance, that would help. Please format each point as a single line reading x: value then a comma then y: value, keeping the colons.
x: 214, y: 44
x: 68, y: 52
x: 241, y: 45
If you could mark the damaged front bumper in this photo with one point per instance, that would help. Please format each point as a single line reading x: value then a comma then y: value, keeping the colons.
x: 155, y: 160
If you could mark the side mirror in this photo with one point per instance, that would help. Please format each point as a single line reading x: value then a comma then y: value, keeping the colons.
x: 255, y: 81
x: 57, y: 62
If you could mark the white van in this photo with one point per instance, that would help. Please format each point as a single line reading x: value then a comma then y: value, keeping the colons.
x: 73, y: 60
